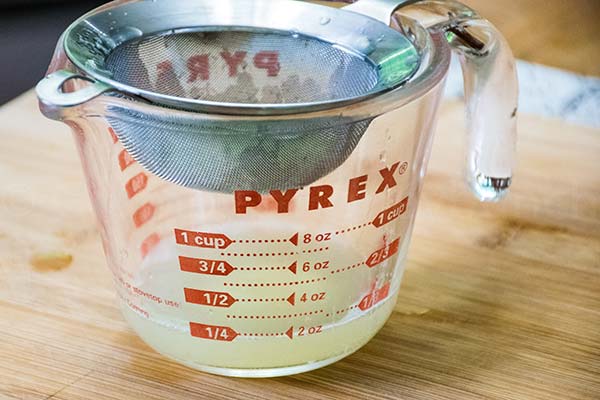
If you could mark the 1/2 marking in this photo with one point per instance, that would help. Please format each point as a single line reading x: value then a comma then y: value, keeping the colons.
x: 208, y: 298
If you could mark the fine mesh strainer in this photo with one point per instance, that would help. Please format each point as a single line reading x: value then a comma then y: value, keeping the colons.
x: 261, y: 59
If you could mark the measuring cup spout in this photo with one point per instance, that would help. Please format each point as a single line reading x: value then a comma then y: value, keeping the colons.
x: 490, y: 78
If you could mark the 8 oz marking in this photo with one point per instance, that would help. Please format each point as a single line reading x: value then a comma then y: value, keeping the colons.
x: 321, y: 237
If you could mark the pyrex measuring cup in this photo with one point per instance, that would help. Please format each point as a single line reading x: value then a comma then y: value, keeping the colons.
x: 265, y: 233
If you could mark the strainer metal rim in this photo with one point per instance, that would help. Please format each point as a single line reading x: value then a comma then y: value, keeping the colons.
x: 308, y: 20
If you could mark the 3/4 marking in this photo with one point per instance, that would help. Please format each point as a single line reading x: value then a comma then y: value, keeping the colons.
x: 204, y: 266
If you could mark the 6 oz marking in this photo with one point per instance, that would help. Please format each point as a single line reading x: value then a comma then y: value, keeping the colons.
x: 318, y: 266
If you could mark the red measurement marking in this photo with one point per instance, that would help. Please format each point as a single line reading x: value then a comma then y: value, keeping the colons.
x: 149, y: 244
x: 113, y: 135
x: 212, y: 332
x: 143, y: 214
x: 293, y: 240
x: 374, y: 297
x: 281, y: 316
x: 348, y: 268
x: 125, y: 160
x: 207, y: 298
x: 315, y: 250
x: 352, y: 228
x: 275, y: 284
x: 391, y: 213
x: 292, y: 299
x: 293, y: 267
x: 290, y: 332
x: 136, y: 184
x: 204, y: 266
x: 346, y: 309
x: 293, y: 253
x: 263, y: 300
x: 202, y: 239
x: 260, y: 268
x: 383, y: 254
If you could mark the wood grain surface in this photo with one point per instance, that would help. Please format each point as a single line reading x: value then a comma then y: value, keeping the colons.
x: 558, y: 33
x: 499, y: 301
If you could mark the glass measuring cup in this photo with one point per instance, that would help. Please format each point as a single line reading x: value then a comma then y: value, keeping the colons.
x: 273, y: 282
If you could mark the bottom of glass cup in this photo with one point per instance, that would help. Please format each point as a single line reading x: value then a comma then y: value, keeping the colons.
x: 262, y: 358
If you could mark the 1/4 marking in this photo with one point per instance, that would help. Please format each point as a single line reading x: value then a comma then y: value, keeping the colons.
x: 212, y: 332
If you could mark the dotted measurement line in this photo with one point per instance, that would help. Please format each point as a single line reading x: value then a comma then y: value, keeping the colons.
x: 283, y: 316
x: 291, y: 253
x: 260, y: 268
x: 262, y: 334
x: 315, y: 250
x: 342, y: 310
x: 346, y: 309
x: 337, y: 271
x: 274, y: 284
x: 259, y: 240
x: 353, y: 228
x: 266, y: 300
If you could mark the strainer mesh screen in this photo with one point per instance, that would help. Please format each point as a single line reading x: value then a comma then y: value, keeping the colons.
x: 242, y: 67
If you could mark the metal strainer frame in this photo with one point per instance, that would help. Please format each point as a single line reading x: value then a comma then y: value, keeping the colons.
x: 340, y: 123
x: 112, y: 26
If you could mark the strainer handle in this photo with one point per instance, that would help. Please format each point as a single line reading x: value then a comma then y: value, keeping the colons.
x: 491, y: 84
x: 50, y: 90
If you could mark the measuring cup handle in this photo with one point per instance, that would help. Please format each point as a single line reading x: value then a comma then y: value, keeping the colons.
x: 51, y: 94
x: 490, y: 79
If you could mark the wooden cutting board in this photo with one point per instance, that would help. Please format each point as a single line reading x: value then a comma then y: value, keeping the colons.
x: 498, y: 302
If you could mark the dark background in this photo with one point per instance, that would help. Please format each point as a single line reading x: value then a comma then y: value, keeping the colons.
x: 29, y: 30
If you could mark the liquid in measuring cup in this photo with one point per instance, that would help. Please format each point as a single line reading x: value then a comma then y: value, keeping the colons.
x: 251, y: 303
